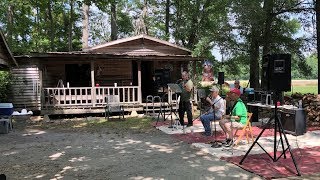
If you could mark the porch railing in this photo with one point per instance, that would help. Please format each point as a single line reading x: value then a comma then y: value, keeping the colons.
x: 88, y: 96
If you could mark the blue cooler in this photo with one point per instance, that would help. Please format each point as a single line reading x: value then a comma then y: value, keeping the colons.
x: 249, y: 91
x: 6, y: 110
x: 250, y: 94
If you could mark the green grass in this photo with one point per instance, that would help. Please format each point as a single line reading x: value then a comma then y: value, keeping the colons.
x: 136, y: 124
x: 312, y: 89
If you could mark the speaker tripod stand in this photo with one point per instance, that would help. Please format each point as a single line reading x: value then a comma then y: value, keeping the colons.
x: 277, y: 128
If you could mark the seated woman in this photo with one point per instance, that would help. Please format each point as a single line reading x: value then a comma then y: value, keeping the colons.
x: 237, y: 118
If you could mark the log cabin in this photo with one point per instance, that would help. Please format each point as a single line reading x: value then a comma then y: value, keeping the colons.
x: 78, y: 82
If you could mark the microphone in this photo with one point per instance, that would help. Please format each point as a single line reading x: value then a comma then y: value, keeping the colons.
x: 178, y: 81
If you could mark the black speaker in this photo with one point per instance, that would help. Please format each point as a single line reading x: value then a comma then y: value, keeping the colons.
x: 276, y: 72
x: 220, y: 77
x: 294, y: 121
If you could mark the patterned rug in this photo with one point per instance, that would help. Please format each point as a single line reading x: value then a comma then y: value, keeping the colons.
x: 305, y: 150
x: 307, y: 161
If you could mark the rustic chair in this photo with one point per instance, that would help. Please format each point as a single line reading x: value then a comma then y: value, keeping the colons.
x: 113, y: 106
x: 246, y: 130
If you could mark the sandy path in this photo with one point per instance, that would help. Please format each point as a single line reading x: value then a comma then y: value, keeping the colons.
x: 35, y: 154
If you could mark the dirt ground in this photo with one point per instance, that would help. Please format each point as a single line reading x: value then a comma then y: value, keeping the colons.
x: 30, y: 152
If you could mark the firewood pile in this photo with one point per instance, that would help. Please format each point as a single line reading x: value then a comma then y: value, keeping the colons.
x: 311, y: 104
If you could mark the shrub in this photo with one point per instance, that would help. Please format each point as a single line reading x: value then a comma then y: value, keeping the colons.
x: 5, y: 85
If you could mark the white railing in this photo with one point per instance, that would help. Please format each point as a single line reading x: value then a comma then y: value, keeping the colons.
x: 88, y: 96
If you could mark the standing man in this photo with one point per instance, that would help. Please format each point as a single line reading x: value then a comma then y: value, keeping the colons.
x: 184, y: 105
x: 238, y: 116
x: 215, y: 113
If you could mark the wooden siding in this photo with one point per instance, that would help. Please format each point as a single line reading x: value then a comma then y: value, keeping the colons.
x: 26, y: 88
x: 109, y: 72
x: 142, y: 47
x: 175, y: 68
x: 52, y: 72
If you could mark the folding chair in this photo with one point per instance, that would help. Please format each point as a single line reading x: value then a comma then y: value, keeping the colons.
x: 113, y: 106
x: 246, y: 130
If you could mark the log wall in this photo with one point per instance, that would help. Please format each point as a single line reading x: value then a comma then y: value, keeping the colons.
x: 109, y: 72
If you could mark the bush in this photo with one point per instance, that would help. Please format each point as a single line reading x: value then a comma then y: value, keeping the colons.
x: 5, y: 85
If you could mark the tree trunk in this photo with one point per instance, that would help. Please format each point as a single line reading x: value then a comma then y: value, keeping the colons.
x: 195, y: 21
x: 70, y: 27
x: 167, y: 19
x: 114, y: 28
x: 267, y: 36
x: 144, y: 16
x: 37, y: 22
x: 10, y: 24
x: 85, y: 26
x: 318, y: 39
x: 254, y: 58
x: 51, y: 31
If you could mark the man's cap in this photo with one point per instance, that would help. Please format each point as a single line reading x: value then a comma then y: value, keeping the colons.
x: 214, y: 89
x: 236, y: 91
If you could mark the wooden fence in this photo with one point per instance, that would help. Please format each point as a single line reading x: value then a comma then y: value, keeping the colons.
x: 88, y: 96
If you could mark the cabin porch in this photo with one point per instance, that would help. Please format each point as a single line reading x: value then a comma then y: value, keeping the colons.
x: 80, y: 100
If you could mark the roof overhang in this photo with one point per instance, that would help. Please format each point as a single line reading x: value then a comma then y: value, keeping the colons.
x: 90, y: 55
x: 141, y: 36
x: 9, y: 60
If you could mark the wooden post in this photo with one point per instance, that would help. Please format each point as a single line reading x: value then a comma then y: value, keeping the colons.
x: 139, y: 82
x: 41, y: 93
x: 92, y: 74
x: 93, y: 92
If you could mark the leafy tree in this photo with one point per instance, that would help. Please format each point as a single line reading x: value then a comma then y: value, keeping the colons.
x: 5, y: 84
x: 242, y: 30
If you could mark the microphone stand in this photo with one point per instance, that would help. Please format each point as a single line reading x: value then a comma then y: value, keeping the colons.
x: 215, y: 143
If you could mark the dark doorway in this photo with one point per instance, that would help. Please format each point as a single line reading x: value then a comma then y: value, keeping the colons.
x: 134, y: 73
x: 78, y: 75
x: 147, y: 84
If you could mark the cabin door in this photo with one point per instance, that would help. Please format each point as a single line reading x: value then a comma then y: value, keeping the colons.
x: 147, y: 83
x: 78, y: 75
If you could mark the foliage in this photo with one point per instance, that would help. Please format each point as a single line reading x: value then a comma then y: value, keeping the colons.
x: 5, y: 85
x: 40, y: 26
x: 240, y: 30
